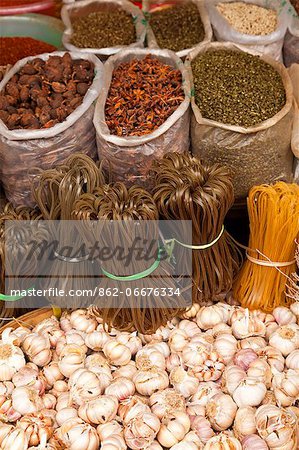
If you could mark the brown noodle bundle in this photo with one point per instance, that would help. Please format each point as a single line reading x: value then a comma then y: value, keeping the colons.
x: 274, y: 228
x: 16, y: 241
x: 127, y: 312
x: 187, y: 189
x: 293, y: 284
x: 55, y: 192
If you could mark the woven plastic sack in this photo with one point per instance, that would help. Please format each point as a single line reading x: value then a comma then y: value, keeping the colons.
x: 291, y: 41
x: 23, y: 150
x: 270, y: 44
x: 150, y: 36
x: 85, y: 7
x: 129, y: 159
x: 256, y: 155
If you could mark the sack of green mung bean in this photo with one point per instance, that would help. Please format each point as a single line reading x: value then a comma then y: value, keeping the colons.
x: 142, y: 113
x: 242, y: 113
x: 178, y: 26
x: 102, y: 27
x: 46, y: 112
x: 260, y: 25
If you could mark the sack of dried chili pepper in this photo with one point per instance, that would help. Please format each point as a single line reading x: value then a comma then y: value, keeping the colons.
x: 46, y: 111
x: 102, y: 27
x: 142, y: 113
x: 178, y: 25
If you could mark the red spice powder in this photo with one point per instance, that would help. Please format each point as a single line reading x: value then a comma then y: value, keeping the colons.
x: 17, y: 2
x: 12, y: 49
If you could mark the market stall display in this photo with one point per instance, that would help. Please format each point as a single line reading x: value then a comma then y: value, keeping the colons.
x: 251, y: 134
x: 291, y: 42
x: 8, y: 7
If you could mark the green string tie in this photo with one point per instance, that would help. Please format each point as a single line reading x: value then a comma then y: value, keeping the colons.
x: 171, y: 243
x: 13, y: 298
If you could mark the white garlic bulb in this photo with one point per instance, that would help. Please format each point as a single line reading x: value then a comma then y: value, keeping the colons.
x: 221, y: 411
x: 205, y: 392
x: 52, y: 373
x: 173, y: 429
x: 292, y: 361
x: 226, y: 346
x: 12, y: 438
x: 149, y: 358
x: 233, y: 375
x: 82, y: 321
x: 130, y: 408
x: 71, y: 358
x: 96, y: 340
x: 84, y: 385
x: 285, y: 338
x: 244, y: 357
x: 283, y: 315
x: 149, y: 381
x: 177, y: 340
x: 254, y: 442
x: 130, y: 340
x: 244, y: 423
x: 191, y: 312
x: 261, y: 370
x: 37, y: 348
x: 65, y: 414
x: 223, y: 441
x: 190, y: 328
x: 273, y: 357
x: 167, y: 402
x: 211, y: 368
x: 183, y: 383
x: 250, y: 392
x: 286, y: 387
x: 248, y: 326
x: 116, y: 353
x: 121, y: 388
x: 203, y: 428
x: 141, y: 431
x: 11, y: 358
x: 102, y: 409
x: 76, y: 435
x: 127, y: 371
x: 209, y: 316
x: 26, y: 400
x: 38, y: 428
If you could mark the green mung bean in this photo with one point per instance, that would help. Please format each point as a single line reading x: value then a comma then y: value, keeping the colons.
x: 236, y: 88
x: 103, y: 29
x: 177, y: 27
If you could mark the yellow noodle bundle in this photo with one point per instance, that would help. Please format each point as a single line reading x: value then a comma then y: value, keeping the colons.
x: 274, y: 229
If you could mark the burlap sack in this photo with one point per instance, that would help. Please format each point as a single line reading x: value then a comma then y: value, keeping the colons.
x: 256, y: 155
x: 84, y: 7
x: 270, y: 44
x: 129, y: 159
x: 291, y: 41
x: 23, y: 150
x: 150, y: 36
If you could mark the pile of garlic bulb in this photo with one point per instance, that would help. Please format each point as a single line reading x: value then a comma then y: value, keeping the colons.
x: 218, y: 378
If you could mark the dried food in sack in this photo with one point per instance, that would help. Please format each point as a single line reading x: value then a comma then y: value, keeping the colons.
x: 250, y: 23
x: 252, y: 136
x: 186, y: 189
x: 102, y: 27
x: 142, y: 113
x: 274, y: 228
x: 12, y: 49
x: 291, y: 41
x: 123, y: 217
x: 178, y: 26
x: 46, y: 115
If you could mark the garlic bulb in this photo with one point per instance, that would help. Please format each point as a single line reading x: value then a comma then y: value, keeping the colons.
x: 285, y: 338
x: 233, y: 376
x: 7, y: 412
x: 191, y: 312
x: 183, y: 383
x: 209, y: 316
x: 283, y: 315
x: 49, y: 401
x: 96, y: 340
x: 226, y: 346
x: 127, y: 371
x: 292, y: 361
x: 52, y: 373
x: 11, y: 359
x: 219, y: 329
x: 149, y: 381
x: 141, y: 430
x: 295, y: 309
x: 182, y: 446
x: 71, y: 337
x: 192, y: 438
x: 273, y: 357
x: 244, y: 424
x: 50, y: 327
x: 77, y: 435
x: 253, y: 342
x: 174, y: 360
x: 97, y: 364
x: 82, y: 321
x: 177, y: 340
x: 211, y: 368
x: 114, y: 443
x: 190, y: 328
x: 205, y: 392
x: 37, y: 348
x: 173, y: 429
x: 105, y: 430
x: 65, y: 414
x: 244, y: 357
x: 37, y: 427
x: 254, y: 442
x: 26, y: 400
x: 12, y: 438
x: 167, y: 402
x: 277, y: 427
x: 202, y: 427
x: 6, y: 388
x: 194, y: 354
x: 248, y: 326
x: 65, y: 323
x: 161, y: 347
x: 269, y: 398
x: 84, y: 385
x: 286, y: 387
x: 149, y: 358
x: 130, y: 340
x: 261, y: 370
x: 116, y: 353
x: 100, y: 410
x: 130, y: 408
x: 121, y: 388
x: 30, y: 376
x: 194, y: 409
x: 223, y: 441
x: 64, y: 401
x: 250, y: 392
x: 71, y: 358
x: 221, y: 411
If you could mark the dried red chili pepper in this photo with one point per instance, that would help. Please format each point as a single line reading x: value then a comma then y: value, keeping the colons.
x: 142, y: 95
x: 12, y: 49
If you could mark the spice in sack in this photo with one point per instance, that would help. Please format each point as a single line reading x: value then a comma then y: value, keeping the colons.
x: 177, y: 27
x: 12, y: 49
x: 236, y: 88
x: 248, y: 18
x: 104, y: 29
x: 44, y: 93
x: 142, y: 95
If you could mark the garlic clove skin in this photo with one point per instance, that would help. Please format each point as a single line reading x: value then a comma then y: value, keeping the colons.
x: 149, y: 381
x: 71, y: 358
x: 149, y: 358
x: 65, y: 414
x: 96, y: 340
x: 254, y: 442
x: 223, y: 441
x: 12, y: 438
x: 36, y: 347
x: 243, y: 358
x: 221, y: 411
x: 173, y: 430
x: 283, y: 315
x: 285, y: 338
x: 84, y: 385
x: 127, y: 371
x: 286, y: 387
x: 233, y: 375
x: 204, y: 393
x: 254, y: 342
x: 248, y: 326
x: 37, y: 427
x: 77, y: 435
x: 183, y: 383
x: 250, y: 392
x: 82, y: 321
x: 273, y: 357
x: 26, y: 400
x: 101, y: 410
x: 226, y: 345
x: 130, y: 408
x: 141, y: 430
x: 292, y: 361
x: 11, y: 360
x: 116, y: 353
x: 244, y: 423
x: 167, y: 402
x: 121, y: 388
x: 114, y: 443
x: 7, y: 412
x: 203, y: 428
x: 183, y: 445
